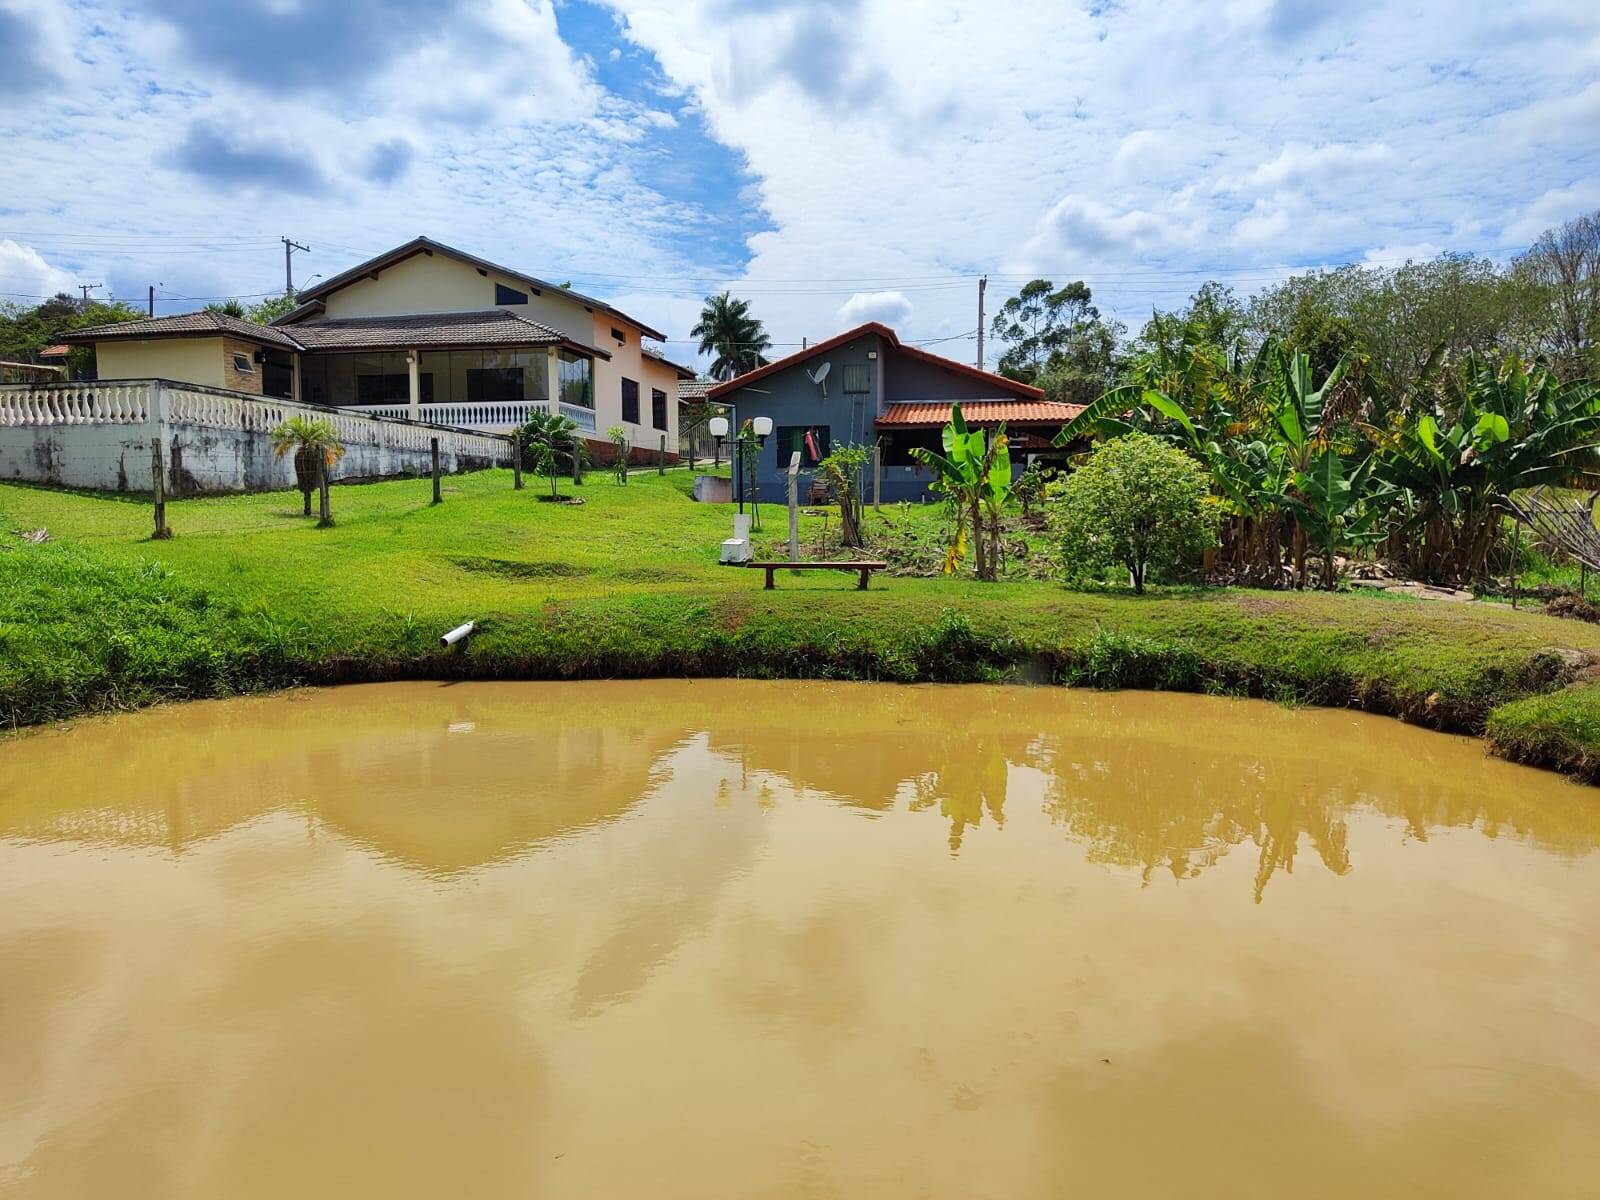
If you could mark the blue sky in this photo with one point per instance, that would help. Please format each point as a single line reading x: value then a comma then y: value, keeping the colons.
x: 832, y: 160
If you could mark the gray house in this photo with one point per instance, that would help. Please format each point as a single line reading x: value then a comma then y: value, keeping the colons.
x: 865, y: 386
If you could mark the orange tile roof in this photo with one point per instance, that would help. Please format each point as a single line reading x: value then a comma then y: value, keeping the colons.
x: 980, y: 412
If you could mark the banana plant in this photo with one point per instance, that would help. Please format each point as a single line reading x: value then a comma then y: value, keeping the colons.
x: 975, y: 472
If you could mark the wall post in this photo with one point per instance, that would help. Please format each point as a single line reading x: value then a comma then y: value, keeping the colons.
x: 414, y: 383
x: 877, y: 476
x: 433, y: 449
x: 516, y: 462
x: 661, y: 457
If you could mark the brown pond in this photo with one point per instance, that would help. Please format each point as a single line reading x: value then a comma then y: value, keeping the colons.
x: 736, y: 939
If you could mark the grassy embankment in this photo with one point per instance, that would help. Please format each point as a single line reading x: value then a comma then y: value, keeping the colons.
x: 250, y: 595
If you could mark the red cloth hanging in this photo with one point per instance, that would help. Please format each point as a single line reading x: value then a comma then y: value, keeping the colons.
x: 811, y: 446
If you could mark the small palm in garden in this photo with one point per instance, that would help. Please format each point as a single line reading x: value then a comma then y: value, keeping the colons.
x: 551, y: 443
x: 316, y: 447
x: 618, y: 437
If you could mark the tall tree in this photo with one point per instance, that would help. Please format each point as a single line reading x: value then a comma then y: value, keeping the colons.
x: 25, y: 332
x: 733, y: 337
x: 1038, y: 322
x: 1564, y: 266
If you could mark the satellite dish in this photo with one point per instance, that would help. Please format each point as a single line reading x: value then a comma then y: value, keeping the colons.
x: 820, y: 378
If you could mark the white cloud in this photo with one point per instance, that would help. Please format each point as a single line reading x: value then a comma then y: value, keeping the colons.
x: 1298, y: 165
x: 889, y: 307
x: 25, y: 273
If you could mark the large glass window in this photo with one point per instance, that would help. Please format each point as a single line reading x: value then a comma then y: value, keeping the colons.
x: 630, y: 401
x: 493, y: 383
x: 576, y: 377
x: 658, y: 408
x: 392, y: 388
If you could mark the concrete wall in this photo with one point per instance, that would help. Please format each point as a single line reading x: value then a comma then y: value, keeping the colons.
x: 188, y: 360
x: 198, y: 459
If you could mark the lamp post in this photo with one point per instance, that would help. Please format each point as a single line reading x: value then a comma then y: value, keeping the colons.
x: 758, y: 429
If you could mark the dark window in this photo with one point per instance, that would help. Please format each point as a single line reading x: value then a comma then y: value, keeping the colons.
x: 505, y: 295
x: 793, y: 437
x: 658, y: 408
x: 630, y: 401
x: 857, y: 379
x: 619, y: 335
x: 493, y: 383
x: 392, y: 389
x: 898, y: 445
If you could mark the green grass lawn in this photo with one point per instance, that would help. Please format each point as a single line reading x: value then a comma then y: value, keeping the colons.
x: 249, y: 594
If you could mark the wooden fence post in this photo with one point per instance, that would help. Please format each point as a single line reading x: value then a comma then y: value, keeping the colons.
x: 661, y: 457
x: 877, y: 476
x: 325, y: 509
x: 516, y: 463
x: 433, y: 449
x: 158, y: 473
x: 794, y: 506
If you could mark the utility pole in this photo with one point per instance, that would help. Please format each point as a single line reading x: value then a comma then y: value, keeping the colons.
x: 289, y: 247
x: 151, y: 303
x: 983, y: 283
x: 86, y: 288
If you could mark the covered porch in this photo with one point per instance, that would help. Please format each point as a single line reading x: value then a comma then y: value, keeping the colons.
x: 487, y: 371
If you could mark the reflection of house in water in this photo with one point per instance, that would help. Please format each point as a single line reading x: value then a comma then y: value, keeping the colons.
x: 442, y: 787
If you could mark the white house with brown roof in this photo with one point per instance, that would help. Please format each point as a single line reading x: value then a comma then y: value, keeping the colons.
x: 429, y: 332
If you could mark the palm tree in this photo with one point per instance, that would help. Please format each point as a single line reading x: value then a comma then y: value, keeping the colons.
x: 728, y: 332
x: 316, y: 446
x: 551, y: 443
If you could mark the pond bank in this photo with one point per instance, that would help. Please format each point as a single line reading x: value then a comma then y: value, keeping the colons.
x: 81, y: 633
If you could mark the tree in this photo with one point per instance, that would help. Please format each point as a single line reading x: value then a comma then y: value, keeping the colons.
x: 1564, y: 267
x: 842, y: 470
x: 266, y: 311
x: 228, y: 308
x: 25, y: 331
x: 1138, y: 502
x: 975, y: 473
x: 316, y: 447
x: 1037, y: 323
x: 731, y: 335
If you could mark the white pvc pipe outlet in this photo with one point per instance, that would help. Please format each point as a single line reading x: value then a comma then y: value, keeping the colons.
x: 457, y: 634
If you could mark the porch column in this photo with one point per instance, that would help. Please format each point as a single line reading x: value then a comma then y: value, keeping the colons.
x: 552, y: 379
x: 414, y: 394
x: 294, y: 377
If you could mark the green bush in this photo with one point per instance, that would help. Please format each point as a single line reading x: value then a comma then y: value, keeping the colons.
x: 1138, y: 503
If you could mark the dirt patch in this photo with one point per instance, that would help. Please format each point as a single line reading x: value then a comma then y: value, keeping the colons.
x: 518, y: 569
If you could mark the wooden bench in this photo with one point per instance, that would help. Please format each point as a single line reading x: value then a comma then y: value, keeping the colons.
x: 863, y: 569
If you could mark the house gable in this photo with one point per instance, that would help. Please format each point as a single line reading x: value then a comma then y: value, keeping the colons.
x: 435, y: 283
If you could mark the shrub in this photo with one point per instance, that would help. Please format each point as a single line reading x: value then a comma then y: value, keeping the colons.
x: 1139, y: 503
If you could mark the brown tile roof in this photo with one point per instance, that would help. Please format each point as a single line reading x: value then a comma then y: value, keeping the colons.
x: 57, y: 351
x: 425, y: 331
x: 205, y: 323
x: 978, y: 412
x: 694, y: 389
x: 999, y: 382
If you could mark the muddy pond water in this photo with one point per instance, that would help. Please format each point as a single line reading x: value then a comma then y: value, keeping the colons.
x: 743, y: 939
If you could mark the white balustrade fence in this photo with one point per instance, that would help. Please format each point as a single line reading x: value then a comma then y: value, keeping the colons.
x: 218, y: 440
x: 483, y: 414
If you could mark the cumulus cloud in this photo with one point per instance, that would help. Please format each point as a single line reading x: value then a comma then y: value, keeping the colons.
x: 24, y: 51
x: 26, y: 273
x: 891, y: 308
